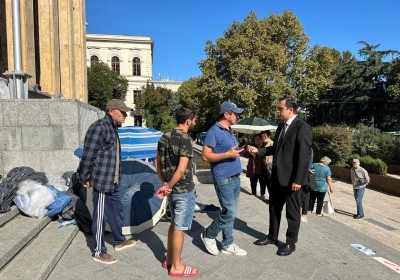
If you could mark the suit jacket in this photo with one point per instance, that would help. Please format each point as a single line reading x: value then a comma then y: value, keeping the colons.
x: 292, y: 155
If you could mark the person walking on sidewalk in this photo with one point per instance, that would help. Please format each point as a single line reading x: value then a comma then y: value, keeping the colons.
x: 292, y: 153
x: 323, y: 176
x: 220, y: 148
x: 99, y: 168
x: 175, y: 169
x: 360, y: 179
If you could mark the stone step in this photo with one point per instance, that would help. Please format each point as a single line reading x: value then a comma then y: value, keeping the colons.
x: 5, y: 217
x: 37, y: 260
x: 16, y: 234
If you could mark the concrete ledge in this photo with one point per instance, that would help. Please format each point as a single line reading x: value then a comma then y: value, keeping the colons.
x: 15, y: 236
x: 384, y: 184
x: 38, y: 259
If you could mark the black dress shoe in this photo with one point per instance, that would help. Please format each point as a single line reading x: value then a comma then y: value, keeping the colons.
x: 266, y: 241
x: 286, y: 250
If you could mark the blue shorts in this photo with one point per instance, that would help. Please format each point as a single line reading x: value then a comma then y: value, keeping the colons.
x: 181, y: 206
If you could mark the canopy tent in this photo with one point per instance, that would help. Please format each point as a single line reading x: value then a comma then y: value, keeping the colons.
x: 253, y: 125
x: 142, y: 210
x: 136, y: 142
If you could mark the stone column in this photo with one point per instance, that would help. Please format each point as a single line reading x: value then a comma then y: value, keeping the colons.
x: 67, y: 54
x: 49, y: 46
x: 80, y: 51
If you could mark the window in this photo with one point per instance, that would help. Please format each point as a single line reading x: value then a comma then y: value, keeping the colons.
x: 115, y: 64
x: 138, y: 120
x: 94, y: 60
x: 136, y: 66
x: 136, y: 93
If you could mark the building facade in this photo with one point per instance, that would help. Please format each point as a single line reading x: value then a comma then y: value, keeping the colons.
x: 53, y: 40
x: 132, y: 58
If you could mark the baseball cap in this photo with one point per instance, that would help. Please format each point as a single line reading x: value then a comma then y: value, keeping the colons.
x: 117, y: 104
x: 356, y: 160
x: 229, y: 106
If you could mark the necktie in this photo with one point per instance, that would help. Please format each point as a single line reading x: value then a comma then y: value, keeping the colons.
x: 282, y: 134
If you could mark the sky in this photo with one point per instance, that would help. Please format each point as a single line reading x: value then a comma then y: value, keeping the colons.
x: 181, y: 28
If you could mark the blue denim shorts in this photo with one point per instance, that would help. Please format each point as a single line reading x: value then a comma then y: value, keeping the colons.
x: 181, y: 206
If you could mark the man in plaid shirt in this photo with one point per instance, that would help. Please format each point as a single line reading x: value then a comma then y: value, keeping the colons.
x: 100, y: 168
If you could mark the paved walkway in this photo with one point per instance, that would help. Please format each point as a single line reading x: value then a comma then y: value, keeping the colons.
x: 324, y: 250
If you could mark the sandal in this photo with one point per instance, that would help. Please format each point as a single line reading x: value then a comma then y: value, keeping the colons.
x: 165, y: 265
x: 188, y: 271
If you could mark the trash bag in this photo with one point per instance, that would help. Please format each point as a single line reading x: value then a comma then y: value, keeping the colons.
x: 57, y: 182
x: 61, y: 200
x: 32, y: 198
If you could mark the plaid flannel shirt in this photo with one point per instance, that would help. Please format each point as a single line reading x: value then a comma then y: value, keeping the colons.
x: 100, y: 155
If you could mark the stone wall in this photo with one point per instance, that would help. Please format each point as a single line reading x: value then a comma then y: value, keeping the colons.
x: 43, y: 133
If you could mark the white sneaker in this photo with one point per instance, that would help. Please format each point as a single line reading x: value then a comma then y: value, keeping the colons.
x: 233, y: 249
x: 304, y: 218
x: 211, y: 244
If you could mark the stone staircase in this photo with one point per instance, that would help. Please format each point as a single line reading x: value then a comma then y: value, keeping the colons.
x: 29, y: 247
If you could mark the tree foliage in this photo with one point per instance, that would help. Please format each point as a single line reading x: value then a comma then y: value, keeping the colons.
x: 104, y: 84
x: 158, y: 104
x: 363, y: 91
x: 256, y: 62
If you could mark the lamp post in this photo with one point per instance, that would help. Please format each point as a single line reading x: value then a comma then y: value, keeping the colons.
x: 17, y: 79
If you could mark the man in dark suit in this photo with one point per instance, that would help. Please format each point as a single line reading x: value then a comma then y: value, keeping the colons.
x: 291, y: 156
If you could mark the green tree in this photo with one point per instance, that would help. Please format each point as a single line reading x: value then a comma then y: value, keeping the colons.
x: 159, y: 105
x: 190, y: 95
x: 393, y: 80
x: 256, y: 62
x: 319, y: 73
x: 104, y: 84
x: 334, y: 106
x: 360, y: 91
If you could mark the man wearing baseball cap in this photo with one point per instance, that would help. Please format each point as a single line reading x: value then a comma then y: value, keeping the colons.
x: 221, y: 150
x: 99, y: 168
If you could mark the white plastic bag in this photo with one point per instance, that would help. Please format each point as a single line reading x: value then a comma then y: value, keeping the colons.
x: 57, y: 181
x: 33, y: 198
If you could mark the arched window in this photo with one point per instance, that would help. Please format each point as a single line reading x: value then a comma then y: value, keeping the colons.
x: 136, y: 66
x: 115, y: 64
x: 94, y: 60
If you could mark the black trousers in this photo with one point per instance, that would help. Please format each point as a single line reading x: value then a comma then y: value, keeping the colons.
x: 278, y: 197
x: 263, y: 183
x: 320, y: 201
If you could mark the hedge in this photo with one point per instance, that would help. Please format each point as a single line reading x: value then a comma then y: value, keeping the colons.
x: 375, y: 166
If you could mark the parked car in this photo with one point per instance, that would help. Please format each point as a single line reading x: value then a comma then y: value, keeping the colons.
x: 200, y: 138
